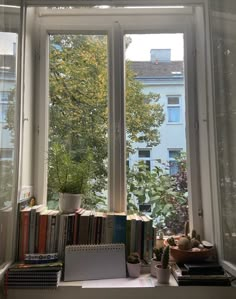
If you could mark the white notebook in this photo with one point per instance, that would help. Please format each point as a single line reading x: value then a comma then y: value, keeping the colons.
x: 85, y: 262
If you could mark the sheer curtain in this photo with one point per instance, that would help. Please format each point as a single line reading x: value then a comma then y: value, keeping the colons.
x: 223, y: 29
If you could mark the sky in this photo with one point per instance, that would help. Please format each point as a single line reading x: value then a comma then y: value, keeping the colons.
x: 139, y: 49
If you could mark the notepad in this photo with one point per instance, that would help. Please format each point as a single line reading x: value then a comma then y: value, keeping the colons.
x: 86, y: 262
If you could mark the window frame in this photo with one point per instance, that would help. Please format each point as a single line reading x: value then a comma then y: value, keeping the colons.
x: 179, y: 105
x: 146, y: 159
x: 178, y: 151
x: 116, y: 32
x: 14, y: 25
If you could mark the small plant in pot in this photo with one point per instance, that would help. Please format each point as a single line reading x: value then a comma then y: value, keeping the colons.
x: 163, y: 270
x: 134, y: 265
x: 68, y: 177
x: 156, y: 260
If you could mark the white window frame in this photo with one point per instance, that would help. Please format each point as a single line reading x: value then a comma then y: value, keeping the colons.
x: 12, y: 15
x: 132, y: 22
x: 179, y: 105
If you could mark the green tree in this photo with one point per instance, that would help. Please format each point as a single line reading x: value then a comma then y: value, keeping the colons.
x: 79, y: 104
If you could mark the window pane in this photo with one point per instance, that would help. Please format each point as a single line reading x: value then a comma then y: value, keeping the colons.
x: 152, y: 61
x: 173, y: 114
x: 10, y: 22
x: 78, y: 110
x: 224, y: 46
x: 173, y: 100
x: 144, y: 153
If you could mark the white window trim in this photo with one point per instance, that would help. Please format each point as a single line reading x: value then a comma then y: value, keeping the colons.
x: 136, y: 24
x: 175, y: 106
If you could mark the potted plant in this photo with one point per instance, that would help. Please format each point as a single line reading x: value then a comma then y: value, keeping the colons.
x: 134, y: 265
x: 67, y: 177
x: 163, y: 270
x: 156, y: 260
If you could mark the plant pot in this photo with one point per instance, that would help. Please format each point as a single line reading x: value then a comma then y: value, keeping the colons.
x: 163, y: 275
x: 134, y: 269
x: 69, y: 203
x: 154, y: 263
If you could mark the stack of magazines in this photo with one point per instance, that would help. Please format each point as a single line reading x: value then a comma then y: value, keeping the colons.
x: 22, y: 275
x: 204, y: 274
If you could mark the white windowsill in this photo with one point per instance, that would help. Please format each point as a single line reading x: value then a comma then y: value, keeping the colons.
x: 144, y: 281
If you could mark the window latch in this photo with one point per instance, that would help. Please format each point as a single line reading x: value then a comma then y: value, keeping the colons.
x: 200, y: 212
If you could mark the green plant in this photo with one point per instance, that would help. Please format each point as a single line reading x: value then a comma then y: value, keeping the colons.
x: 133, y: 258
x: 157, y: 252
x: 165, y: 257
x: 66, y: 175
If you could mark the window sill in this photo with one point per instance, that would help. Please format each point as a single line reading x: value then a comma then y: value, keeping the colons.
x: 143, y: 287
x: 144, y: 281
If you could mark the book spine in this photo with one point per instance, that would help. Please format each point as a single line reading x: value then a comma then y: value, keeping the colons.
x: 119, y: 230
x: 36, y: 241
x: 132, y: 235
x: 109, y: 228
x: 24, y: 234
x: 103, y: 233
x: 48, y: 239
x: 42, y: 233
x: 54, y: 230
x: 128, y: 236
x: 32, y: 230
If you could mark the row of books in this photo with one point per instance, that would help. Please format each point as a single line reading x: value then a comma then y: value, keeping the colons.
x: 49, y: 231
x: 22, y: 275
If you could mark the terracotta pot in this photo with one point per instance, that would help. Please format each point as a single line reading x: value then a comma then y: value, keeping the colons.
x: 134, y: 269
x: 154, y: 263
x: 163, y: 275
x: 69, y: 203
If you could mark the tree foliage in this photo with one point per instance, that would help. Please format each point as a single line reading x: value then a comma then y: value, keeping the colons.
x: 166, y: 194
x: 79, y: 105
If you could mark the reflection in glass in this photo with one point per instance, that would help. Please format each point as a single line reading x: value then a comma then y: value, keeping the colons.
x: 8, y: 62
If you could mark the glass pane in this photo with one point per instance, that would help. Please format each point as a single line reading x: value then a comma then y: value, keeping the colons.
x: 224, y: 50
x: 173, y: 114
x: 78, y: 110
x: 173, y: 100
x: 9, y: 24
x: 144, y: 153
x: 152, y: 62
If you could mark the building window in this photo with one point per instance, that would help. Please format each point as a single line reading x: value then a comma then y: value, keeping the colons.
x: 173, y: 109
x: 4, y: 96
x: 145, y: 156
x: 3, y: 112
x: 5, y: 154
x: 173, y: 163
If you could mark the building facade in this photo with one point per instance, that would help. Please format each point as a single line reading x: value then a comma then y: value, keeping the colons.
x: 162, y: 76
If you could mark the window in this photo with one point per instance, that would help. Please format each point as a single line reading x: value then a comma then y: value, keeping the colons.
x: 4, y: 96
x: 173, y: 163
x: 78, y: 118
x: 9, y: 130
x: 173, y: 109
x: 145, y: 156
x: 115, y: 28
x: 3, y: 112
x: 5, y: 154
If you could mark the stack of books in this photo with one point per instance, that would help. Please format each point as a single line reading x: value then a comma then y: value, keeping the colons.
x: 28, y: 276
x: 46, y: 231
x: 204, y: 274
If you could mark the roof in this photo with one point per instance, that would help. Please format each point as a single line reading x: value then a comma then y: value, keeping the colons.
x: 149, y: 69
